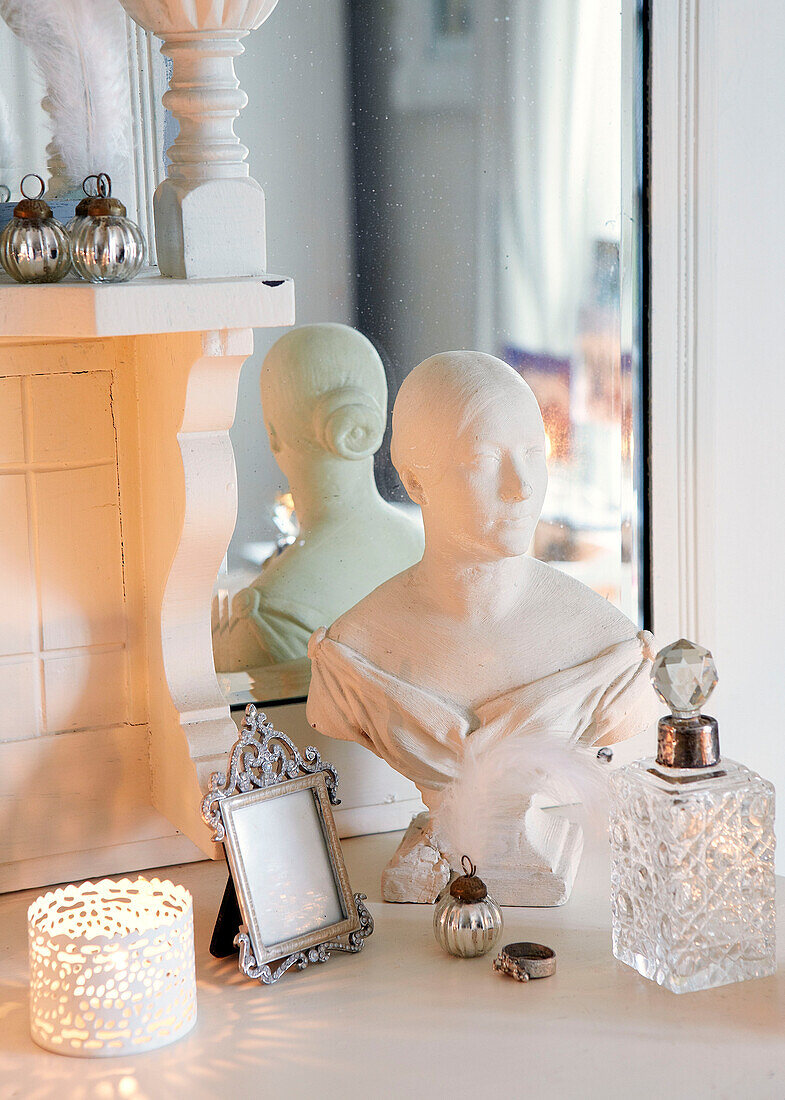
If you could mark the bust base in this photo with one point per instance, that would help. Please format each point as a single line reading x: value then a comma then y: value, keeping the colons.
x: 512, y: 884
x: 418, y: 872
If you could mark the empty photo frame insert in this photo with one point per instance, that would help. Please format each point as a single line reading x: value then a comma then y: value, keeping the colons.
x: 288, y: 868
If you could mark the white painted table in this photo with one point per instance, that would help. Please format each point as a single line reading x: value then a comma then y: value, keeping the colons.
x: 403, y: 1020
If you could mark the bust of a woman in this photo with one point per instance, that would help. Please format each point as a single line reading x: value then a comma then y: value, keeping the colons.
x: 477, y: 641
x: 324, y: 399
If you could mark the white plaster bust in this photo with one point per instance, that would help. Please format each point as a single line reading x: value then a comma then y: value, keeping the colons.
x: 324, y: 400
x: 478, y: 640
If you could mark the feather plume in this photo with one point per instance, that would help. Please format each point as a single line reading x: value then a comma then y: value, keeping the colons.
x: 79, y: 48
x: 496, y: 783
x: 7, y: 144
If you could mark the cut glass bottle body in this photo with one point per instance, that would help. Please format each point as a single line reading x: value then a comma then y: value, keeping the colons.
x: 693, y: 873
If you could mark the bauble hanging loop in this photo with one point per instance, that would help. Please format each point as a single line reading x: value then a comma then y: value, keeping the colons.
x: 81, y: 207
x: 107, y: 247
x: 466, y: 920
x: 34, y: 246
x: 468, y: 887
x: 41, y: 187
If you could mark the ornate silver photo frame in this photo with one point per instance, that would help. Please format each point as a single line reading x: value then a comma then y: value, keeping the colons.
x: 272, y: 812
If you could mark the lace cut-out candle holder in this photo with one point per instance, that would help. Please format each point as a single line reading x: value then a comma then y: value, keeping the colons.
x: 111, y: 967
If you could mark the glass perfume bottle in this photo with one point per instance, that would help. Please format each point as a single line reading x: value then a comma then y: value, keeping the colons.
x: 692, y: 846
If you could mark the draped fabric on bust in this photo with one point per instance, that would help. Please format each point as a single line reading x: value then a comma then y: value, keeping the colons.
x: 598, y: 702
x: 265, y: 630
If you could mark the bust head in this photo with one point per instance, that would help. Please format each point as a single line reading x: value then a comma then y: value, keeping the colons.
x: 324, y: 396
x: 469, y: 446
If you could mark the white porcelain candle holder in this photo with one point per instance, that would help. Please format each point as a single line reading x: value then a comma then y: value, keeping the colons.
x: 111, y: 967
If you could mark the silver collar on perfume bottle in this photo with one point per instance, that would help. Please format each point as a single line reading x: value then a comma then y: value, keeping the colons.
x: 688, y: 742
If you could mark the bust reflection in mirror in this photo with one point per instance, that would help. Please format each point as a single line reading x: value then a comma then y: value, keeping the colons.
x: 324, y: 398
x: 480, y: 650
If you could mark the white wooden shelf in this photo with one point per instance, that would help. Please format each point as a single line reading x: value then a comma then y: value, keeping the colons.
x: 118, y: 492
x: 151, y: 303
x: 403, y: 1020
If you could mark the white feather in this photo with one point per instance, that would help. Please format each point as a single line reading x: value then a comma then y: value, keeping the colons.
x: 79, y: 48
x: 496, y: 784
x: 7, y: 144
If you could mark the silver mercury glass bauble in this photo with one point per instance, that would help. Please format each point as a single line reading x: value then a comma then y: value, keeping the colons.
x: 466, y: 921
x: 34, y: 246
x: 106, y: 246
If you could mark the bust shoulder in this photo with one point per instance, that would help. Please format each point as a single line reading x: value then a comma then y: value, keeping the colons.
x: 358, y: 553
x: 285, y: 575
x: 558, y: 622
x: 368, y: 625
x: 388, y: 535
x: 556, y: 597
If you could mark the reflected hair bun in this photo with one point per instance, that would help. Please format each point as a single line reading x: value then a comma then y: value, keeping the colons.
x: 348, y: 422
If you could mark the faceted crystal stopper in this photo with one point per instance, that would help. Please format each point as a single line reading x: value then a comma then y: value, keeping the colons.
x: 684, y: 676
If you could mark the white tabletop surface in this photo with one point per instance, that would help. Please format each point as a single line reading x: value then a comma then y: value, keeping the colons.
x: 402, y: 1019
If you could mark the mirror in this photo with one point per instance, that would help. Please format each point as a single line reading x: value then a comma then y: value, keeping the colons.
x: 448, y: 174
x: 439, y: 174
x: 23, y: 123
x: 131, y: 73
